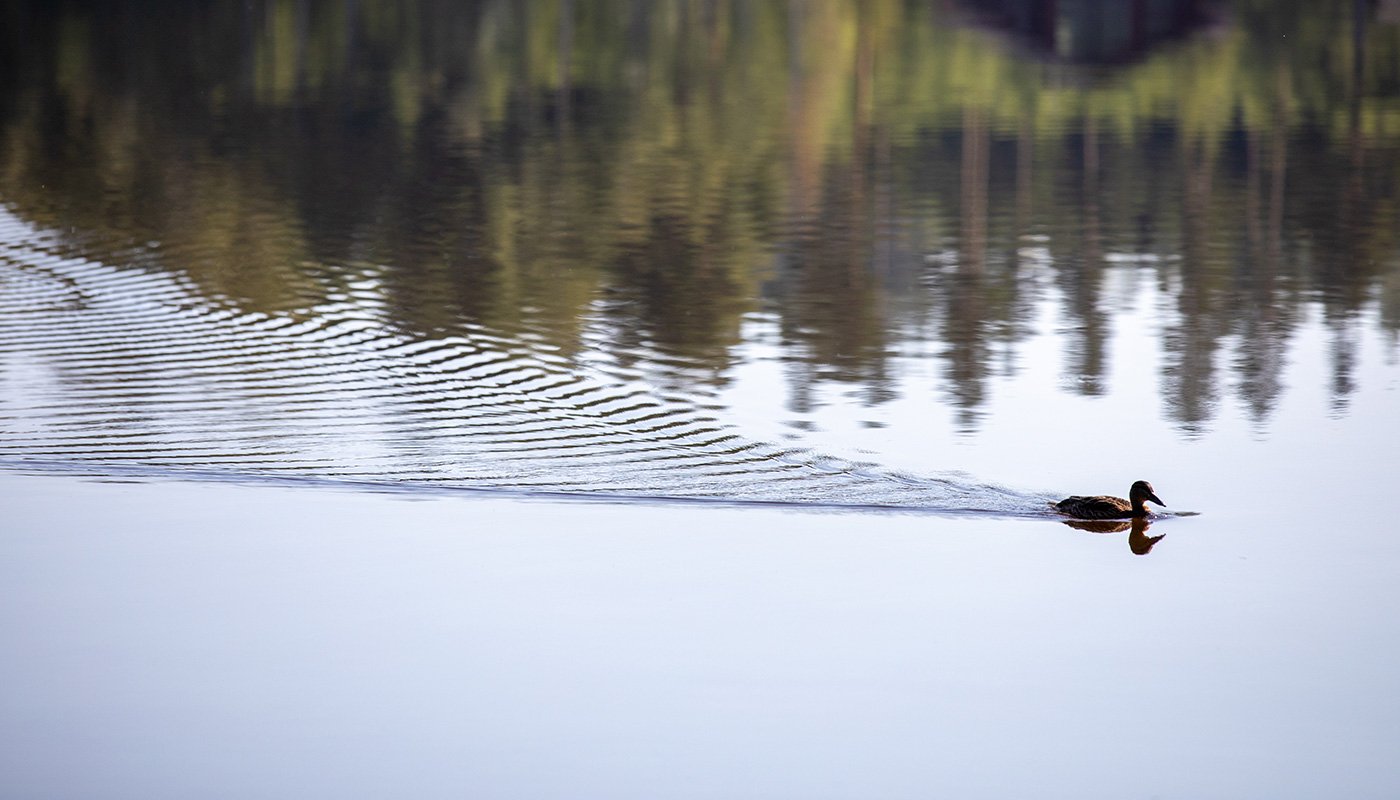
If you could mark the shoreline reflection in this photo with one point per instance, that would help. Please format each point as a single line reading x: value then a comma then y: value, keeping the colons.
x: 628, y: 184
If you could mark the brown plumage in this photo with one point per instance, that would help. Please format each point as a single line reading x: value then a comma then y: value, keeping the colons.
x: 1105, y: 507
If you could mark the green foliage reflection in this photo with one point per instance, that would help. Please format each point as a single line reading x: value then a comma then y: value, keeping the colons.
x: 859, y: 170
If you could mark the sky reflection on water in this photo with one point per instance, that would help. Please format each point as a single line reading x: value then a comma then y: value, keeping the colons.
x: 177, y: 639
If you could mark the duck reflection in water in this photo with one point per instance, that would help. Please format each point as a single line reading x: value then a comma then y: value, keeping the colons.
x: 1138, y: 541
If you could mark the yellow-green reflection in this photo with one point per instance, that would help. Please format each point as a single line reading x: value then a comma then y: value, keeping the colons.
x: 868, y: 172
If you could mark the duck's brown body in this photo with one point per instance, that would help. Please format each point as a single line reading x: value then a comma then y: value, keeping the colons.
x: 1105, y: 507
x: 1099, y: 507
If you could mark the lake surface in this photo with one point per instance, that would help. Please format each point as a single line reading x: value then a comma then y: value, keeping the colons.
x: 535, y: 399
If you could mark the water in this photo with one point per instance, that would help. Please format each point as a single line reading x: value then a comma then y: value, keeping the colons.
x: 202, y: 638
x: 160, y: 378
x: 871, y: 269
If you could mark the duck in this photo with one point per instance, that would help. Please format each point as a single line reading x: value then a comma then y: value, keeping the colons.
x: 1105, y: 507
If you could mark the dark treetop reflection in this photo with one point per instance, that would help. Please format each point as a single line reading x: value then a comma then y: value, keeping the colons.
x: 627, y: 183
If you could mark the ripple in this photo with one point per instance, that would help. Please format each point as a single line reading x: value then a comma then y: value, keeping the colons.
x: 108, y: 367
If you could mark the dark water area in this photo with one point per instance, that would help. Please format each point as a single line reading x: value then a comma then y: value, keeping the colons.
x: 841, y: 253
x: 317, y: 320
x: 636, y: 188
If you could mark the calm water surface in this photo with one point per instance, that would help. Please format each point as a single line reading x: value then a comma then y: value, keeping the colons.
x: 954, y: 259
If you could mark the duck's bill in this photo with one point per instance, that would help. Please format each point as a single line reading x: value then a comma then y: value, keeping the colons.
x: 1154, y: 498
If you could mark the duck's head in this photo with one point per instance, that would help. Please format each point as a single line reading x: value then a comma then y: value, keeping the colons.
x: 1142, y: 491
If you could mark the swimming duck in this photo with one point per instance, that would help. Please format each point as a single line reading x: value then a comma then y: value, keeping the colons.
x: 1103, y: 507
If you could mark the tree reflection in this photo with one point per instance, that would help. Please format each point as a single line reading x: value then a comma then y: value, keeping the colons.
x: 868, y: 173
